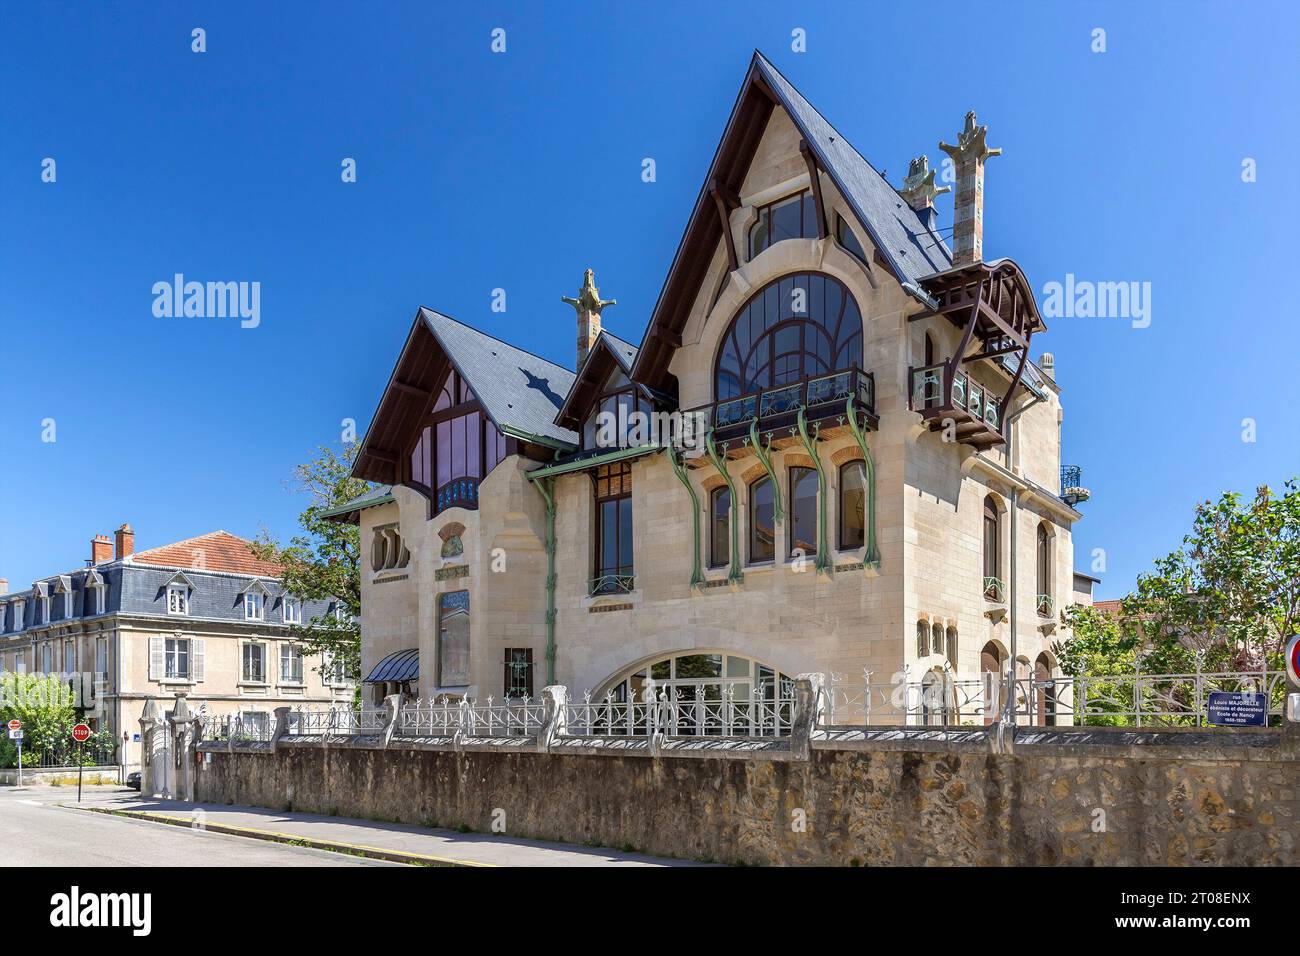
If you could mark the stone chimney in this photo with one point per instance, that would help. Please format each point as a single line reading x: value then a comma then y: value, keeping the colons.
x: 4, y: 585
x: 588, y: 306
x: 919, y: 190
x: 968, y: 216
x: 101, y: 549
x: 124, y: 539
x: 1048, y: 365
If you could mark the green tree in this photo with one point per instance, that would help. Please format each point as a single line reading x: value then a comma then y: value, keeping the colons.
x: 323, y: 563
x: 44, y: 704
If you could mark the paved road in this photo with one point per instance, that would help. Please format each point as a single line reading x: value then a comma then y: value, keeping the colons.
x: 35, y: 831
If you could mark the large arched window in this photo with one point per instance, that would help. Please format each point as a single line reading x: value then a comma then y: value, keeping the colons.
x: 797, y: 327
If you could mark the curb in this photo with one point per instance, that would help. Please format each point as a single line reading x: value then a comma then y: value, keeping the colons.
x: 272, y: 836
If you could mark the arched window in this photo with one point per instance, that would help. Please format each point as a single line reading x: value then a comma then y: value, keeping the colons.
x: 1044, y: 569
x: 853, y: 505
x: 458, y: 447
x: 797, y: 327
x: 802, y: 525
x: 762, y: 530
x: 719, y: 527
x: 791, y: 217
x: 847, y: 238
x: 936, y: 638
x: 993, y: 590
x: 922, y: 639
x: 951, y: 650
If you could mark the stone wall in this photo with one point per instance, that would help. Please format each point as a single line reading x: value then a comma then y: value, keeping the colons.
x: 874, y: 798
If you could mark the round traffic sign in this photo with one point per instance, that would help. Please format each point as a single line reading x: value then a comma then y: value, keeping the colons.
x: 80, y: 733
x: 1293, y: 660
x: 15, y: 724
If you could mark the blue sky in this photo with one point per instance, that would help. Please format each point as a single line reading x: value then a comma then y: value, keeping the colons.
x: 479, y: 171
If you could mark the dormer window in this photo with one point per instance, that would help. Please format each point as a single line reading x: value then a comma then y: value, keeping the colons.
x: 456, y: 450
x: 794, y: 217
x: 178, y: 599
x: 848, y: 239
x: 19, y: 609
x: 292, y: 611
x: 254, y: 603
x: 621, y: 417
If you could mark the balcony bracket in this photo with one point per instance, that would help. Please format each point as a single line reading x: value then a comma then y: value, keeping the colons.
x: 734, y: 572
x: 763, y: 449
x: 824, y: 564
x: 871, y: 557
x: 683, y: 475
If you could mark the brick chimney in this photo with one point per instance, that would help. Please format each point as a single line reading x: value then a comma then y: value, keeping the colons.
x: 4, y: 585
x: 124, y: 544
x: 101, y: 549
x: 588, y: 306
x: 968, y: 216
x: 919, y: 190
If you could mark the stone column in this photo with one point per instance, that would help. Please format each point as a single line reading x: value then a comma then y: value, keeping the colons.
x: 968, y: 215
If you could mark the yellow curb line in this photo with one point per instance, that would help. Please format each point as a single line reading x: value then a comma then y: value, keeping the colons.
x: 358, y: 849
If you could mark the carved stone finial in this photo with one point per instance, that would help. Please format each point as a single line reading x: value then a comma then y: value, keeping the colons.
x: 588, y: 299
x: 919, y: 189
x: 970, y: 143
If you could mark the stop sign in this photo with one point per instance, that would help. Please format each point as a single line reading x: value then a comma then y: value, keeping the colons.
x: 80, y: 733
x: 15, y: 724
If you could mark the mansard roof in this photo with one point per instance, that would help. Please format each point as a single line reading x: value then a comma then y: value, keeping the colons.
x: 910, y: 249
x: 520, y: 392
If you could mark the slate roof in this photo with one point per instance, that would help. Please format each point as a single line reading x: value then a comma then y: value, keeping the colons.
x: 914, y: 250
x: 625, y: 351
x: 379, y: 495
x: 517, y: 389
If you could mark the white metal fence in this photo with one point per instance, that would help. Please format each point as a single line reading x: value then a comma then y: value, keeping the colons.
x: 521, y: 717
x: 697, y: 711
x: 336, y: 721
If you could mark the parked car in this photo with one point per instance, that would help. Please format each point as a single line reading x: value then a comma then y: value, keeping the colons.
x: 133, y: 780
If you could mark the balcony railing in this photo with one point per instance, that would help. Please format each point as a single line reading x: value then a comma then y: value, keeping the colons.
x: 967, y: 395
x: 821, y: 396
x: 994, y: 590
x: 1045, y: 605
x: 611, y: 584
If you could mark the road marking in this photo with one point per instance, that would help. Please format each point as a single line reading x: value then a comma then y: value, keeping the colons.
x: 294, y: 839
x: 32, y: 803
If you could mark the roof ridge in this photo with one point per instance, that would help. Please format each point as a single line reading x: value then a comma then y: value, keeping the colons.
x: 488, y: 335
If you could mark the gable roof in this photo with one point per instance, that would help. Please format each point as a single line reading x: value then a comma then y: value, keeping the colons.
x: 593, y: 373
x: 910, y: 248
x: 350, y: 511
x: 520, y: 392
x: 214, y: 551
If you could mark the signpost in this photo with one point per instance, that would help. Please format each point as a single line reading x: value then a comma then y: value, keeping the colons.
x: 1226, y: 709
x: 16, y: 734
x: 80, y: 734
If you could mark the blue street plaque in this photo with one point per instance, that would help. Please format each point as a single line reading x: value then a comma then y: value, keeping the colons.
x: 1237, y: 710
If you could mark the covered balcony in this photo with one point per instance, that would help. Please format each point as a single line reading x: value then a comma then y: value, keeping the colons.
x: 974, y: 409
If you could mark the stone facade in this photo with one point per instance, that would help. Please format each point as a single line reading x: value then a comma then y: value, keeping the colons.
x: 930, y: 496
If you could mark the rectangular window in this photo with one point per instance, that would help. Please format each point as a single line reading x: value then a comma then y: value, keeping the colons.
x: 853, y: 505
x: 253, y: 605
x: 178, y: 600
x: 519, y: 672
x: 176, y: 660
x: 290, y: 664
x: 803, y: 511
x: 98, y: 599
x: 47, y: 658
x: 762, y: 527
x: 292, y: 611
x: 719, y: 527
x: 453, y: 639
x: 69, y: 657
x: 254, y: 670
x: 101, y: 656
x: 613, y: 563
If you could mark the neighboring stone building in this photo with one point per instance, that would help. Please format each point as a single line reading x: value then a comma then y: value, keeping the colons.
x: 204, y: 617
x: 873, y: 479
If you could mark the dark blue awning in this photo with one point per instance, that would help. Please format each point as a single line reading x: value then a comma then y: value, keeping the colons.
x: 401, y: 666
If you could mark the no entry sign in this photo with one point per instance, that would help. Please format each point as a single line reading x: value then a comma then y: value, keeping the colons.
x: 15, y: 724
x: 1293, y: 661
x: 80, y: 733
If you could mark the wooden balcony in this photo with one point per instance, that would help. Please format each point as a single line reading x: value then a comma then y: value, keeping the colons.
x: 974, y: 410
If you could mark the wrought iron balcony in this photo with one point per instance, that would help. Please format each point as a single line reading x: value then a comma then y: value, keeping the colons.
x: 1045, y: 605
x: 611, y: 584
x: 995, y: 591
x: 822, y: 397
x: 974, y: 410
x: 1072, y: 490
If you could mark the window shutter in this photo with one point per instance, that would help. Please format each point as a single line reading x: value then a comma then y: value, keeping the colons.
x: 196, y: 655
x: 155, y: 658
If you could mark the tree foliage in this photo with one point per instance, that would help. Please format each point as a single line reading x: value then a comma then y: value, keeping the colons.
x: 44, y: 703
x: 323, y: 563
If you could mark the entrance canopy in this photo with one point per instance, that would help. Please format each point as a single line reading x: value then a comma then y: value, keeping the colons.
x: 398, y: 667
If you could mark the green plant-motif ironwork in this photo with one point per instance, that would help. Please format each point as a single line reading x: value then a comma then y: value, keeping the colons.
x: 734, y: 572
x: 871, y: 558
x: 683, y: 475
x: 763, y: 449
x: 824, y: 563
x: 547, y: 488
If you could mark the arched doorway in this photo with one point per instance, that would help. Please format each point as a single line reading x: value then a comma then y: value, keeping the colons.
x: 1044, y: 691
x: 711, y: 693
x: 991, y: 658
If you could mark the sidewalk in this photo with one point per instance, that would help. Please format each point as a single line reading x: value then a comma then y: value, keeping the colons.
x: 388, y: 841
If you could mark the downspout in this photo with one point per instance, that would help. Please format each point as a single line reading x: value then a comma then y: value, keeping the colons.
x: 810, y: 445
x: 679, y: 469
x: 547, y: 488
x: 764, y: 452
x: 871, y: 557
x: 1011, y: 584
